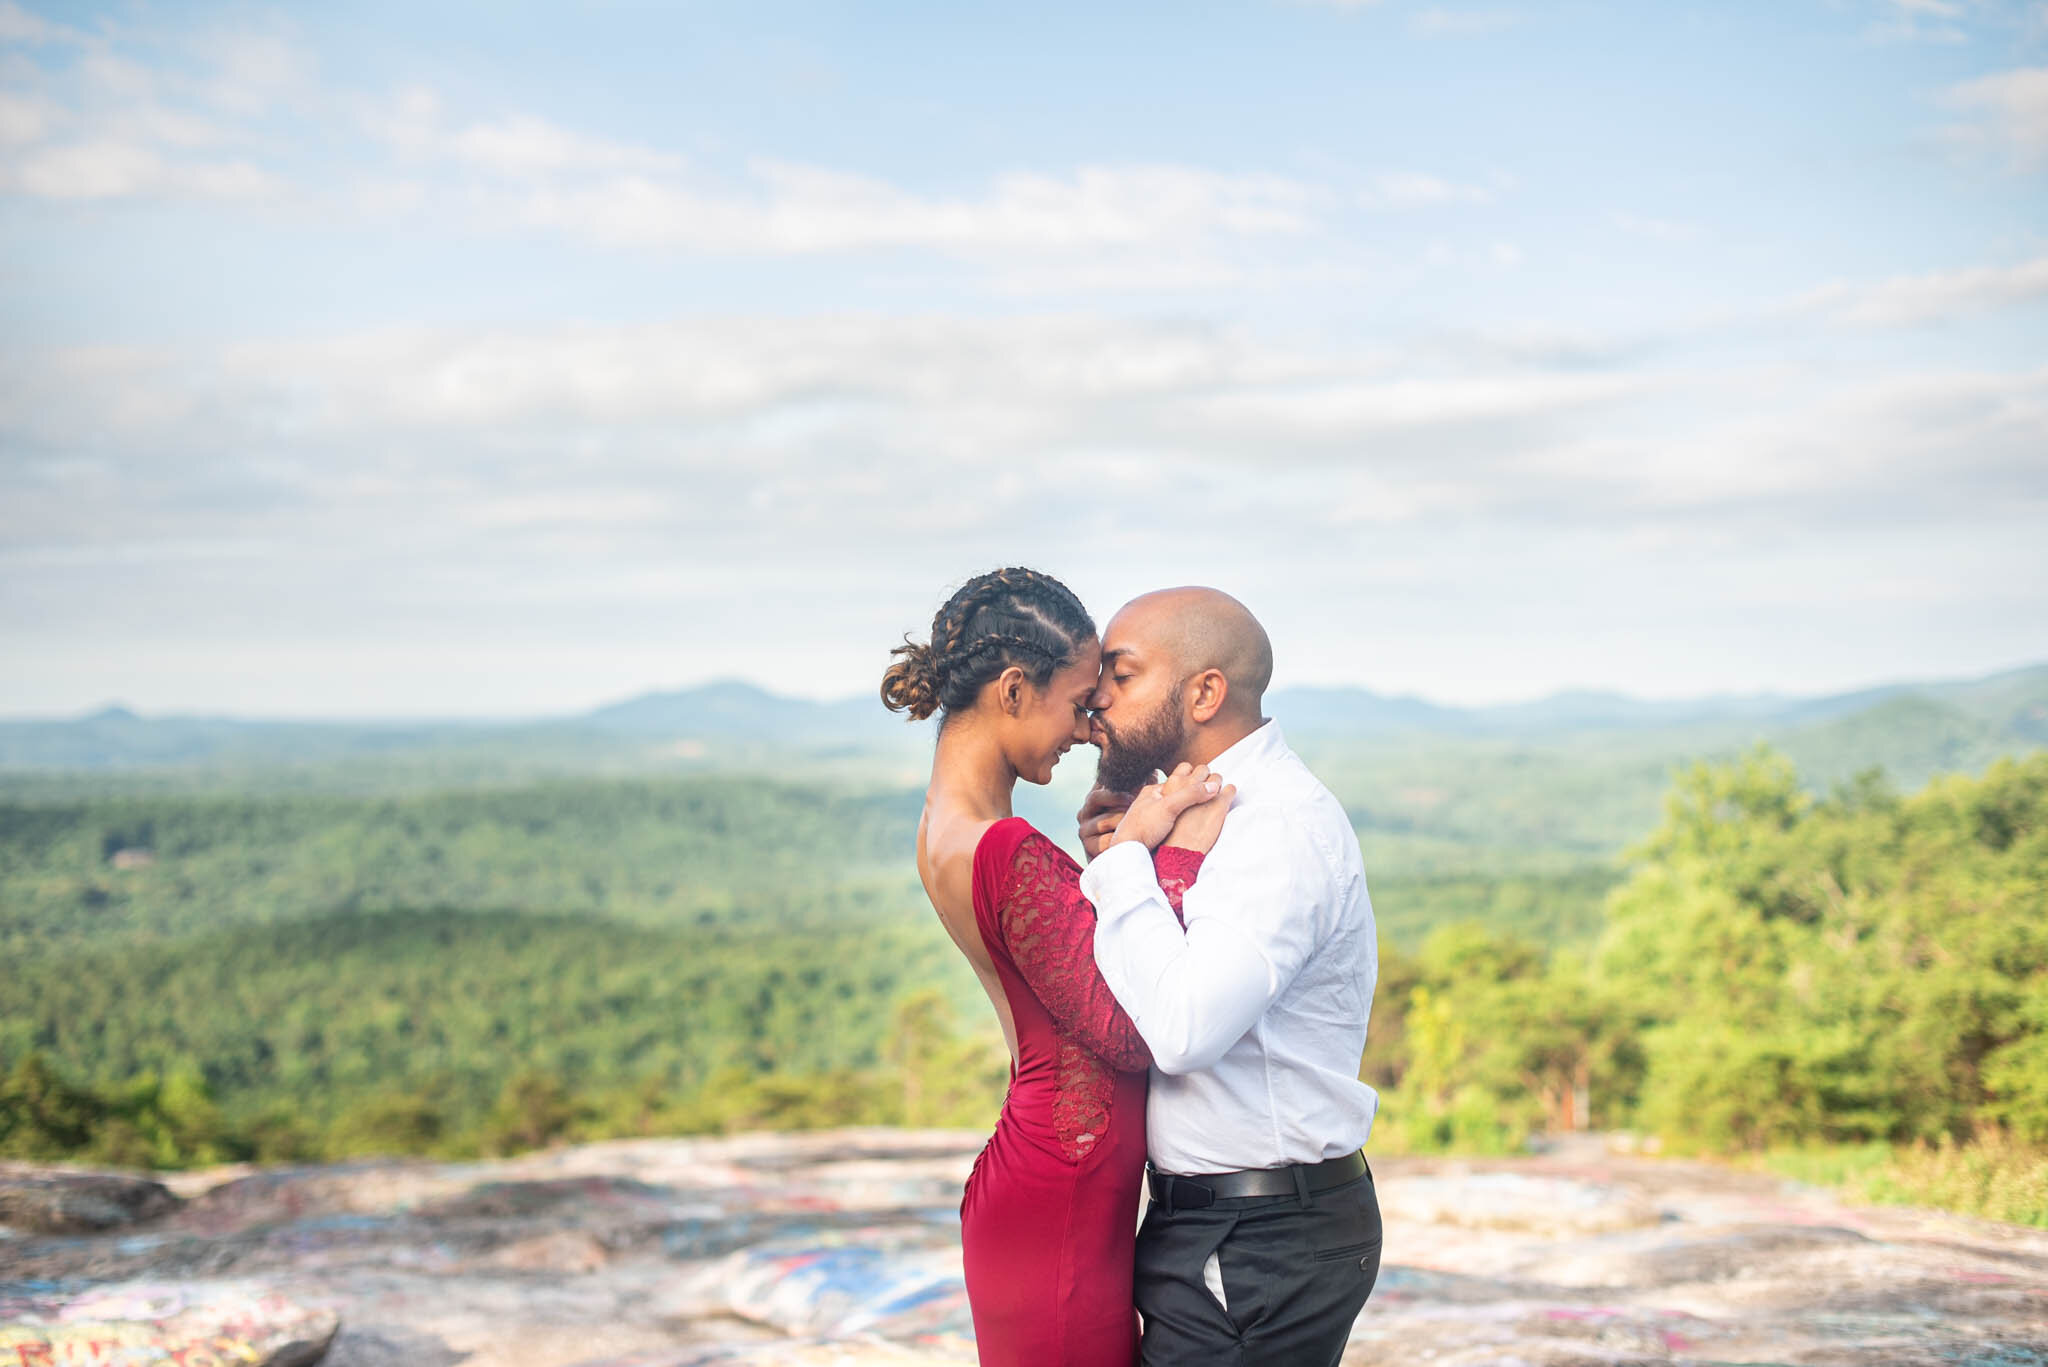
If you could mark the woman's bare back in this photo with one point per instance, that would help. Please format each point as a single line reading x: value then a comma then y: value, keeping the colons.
x: 947, y: 838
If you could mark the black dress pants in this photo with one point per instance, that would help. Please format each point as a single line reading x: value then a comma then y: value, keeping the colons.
x: 1293, y: 1277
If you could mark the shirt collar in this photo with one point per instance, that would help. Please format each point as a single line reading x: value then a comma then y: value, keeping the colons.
x: 1249, y: 752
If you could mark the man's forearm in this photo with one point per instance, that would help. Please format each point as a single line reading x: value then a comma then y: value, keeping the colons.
x: 1191, y: 994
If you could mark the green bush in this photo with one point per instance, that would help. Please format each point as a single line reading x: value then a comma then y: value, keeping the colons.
x: 1990, y: 1175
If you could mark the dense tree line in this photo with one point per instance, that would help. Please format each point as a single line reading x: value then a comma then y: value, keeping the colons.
x: 297, y: 1026
x: 1775, y: 969
x: 1778, y: 970
x: 695, y: 852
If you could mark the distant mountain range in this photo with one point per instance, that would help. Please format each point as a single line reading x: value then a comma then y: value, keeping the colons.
x: 733, y: 723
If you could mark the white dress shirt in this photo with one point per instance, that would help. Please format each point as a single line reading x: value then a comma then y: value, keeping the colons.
x: 1255, y: 1014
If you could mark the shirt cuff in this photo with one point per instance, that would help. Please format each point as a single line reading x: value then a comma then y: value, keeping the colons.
x: 1110, y: 880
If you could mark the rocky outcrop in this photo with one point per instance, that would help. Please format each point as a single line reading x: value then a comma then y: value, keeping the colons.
x: 142, y: 1324
x: 46, y: 1201
x: 843, y: 1248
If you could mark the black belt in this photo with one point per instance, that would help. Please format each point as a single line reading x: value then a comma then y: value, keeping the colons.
x: 1197, y: 1190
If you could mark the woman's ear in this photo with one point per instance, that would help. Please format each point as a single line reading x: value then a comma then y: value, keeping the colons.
x: 1010, y: 690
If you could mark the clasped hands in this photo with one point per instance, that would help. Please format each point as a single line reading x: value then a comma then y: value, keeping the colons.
x: 1185, y: 810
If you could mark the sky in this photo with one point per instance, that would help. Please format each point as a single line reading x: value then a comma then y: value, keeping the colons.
x: 506, y: 359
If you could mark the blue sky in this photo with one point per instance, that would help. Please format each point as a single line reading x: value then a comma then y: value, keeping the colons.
x: 501, y: 359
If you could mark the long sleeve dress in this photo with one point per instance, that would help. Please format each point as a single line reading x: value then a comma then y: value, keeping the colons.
x: 1048, y: 1222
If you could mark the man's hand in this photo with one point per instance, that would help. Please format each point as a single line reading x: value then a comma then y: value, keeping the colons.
x: 1099, y: 816
x: 1158, y: 806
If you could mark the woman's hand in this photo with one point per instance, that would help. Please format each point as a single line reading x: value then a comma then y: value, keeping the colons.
x: 1158, y: 806
x: 1200, y: 824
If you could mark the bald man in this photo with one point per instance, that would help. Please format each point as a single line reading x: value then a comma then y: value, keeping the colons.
x: 1262, y: 1238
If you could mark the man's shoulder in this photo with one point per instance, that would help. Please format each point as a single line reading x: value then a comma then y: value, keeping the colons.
x: 1286, y: 779
x: 1291, y: 789
x: 1305, y: 817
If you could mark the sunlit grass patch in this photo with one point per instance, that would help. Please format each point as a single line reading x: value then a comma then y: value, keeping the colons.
x: 1830, y: 1165
x: 1991, y: 1175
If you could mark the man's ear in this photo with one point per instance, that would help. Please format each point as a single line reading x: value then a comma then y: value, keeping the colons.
x: 1209, y: 691
x: 1010, y: 690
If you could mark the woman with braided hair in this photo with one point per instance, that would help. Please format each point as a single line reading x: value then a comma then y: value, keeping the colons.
x: 1048, y: 1218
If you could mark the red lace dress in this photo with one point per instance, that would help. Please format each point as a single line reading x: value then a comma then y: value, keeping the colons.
x: 1048, y: 1223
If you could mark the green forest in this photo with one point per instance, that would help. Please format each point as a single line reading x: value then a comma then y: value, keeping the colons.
x: 1778, y: 973
x: 1856, y: 980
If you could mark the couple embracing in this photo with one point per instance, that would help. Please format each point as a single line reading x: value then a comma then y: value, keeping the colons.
x: 1197, y: 997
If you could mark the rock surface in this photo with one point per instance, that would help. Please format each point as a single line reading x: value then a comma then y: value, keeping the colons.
x: 843, y: 1248
x: 45, y: 1201
x: 140, y: 1324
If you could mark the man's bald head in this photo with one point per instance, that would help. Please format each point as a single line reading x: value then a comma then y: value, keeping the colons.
x: 1201, y: 629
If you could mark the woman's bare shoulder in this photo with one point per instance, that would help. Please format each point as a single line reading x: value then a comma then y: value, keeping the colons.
x: 949, y: 842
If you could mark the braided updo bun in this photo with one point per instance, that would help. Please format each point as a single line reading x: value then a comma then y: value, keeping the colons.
x: 912, y: 683
x: 1006, y: 617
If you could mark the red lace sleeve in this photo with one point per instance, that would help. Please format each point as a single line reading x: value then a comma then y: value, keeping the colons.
x: 1049, y: 929
x: 1176, y: 868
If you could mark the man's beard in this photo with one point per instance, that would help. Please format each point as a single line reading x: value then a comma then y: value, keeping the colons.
x: 1131, y: 753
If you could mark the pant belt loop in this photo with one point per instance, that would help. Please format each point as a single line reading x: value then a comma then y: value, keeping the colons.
x: 1301, y: 1185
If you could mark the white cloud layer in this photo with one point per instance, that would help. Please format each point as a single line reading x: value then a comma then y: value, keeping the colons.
x: 104, y: 125
x: 544, y: 176
x: 1934, y: 297
x: 1416, y: 189
x: 564, y: 425
x: 1438, y: 22
x: 795, y: 209
x: 521, y: 492
x: 1477, y: 394
x: 1920, y: 21
x: 2012, y: 109
x: 116, y: 128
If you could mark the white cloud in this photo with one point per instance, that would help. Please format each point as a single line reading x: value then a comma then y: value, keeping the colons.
x: 1415, y: 189
x: 2013, y: 113
x: 540, y: 175
x: 18, y: 25
x: 24, y: 118
x: 1658, y: 229
x: 1461, y: 23
x: 521, y: 145
x: 784, y: 208
x: 546, y: 489
x: 1359, y: 409
x: 408, y: 121
x: 86, y: 171
x: 107, y: 169
x: 729, y: 371
x: 109, y: 126
x: 1935, y: 297
x: 1919, y: 21
x: 252, y: 72
x: 134, y: 118
x: 1896, y: 447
